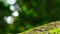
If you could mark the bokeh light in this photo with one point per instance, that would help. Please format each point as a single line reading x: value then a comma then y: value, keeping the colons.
x: 15, y: 13
x: 12, y: 7
x: 9, y: 19
x: 11, y: 1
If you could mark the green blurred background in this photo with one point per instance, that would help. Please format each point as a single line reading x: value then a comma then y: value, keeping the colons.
x: 31, y: 13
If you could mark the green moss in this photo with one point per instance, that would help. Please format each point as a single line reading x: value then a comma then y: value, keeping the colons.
x: 51, y: 30
x: 56, y: 30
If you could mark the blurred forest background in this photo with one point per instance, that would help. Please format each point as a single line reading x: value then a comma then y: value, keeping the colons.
x: 20, y: 15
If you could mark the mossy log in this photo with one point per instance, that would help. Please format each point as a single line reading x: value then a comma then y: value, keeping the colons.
x: 51, y: 28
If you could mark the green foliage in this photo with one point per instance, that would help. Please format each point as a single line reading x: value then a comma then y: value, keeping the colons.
x: 33, y: 13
